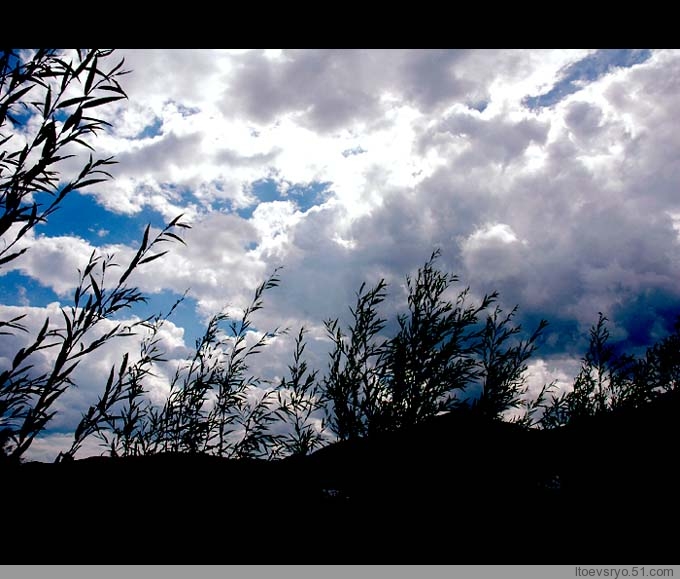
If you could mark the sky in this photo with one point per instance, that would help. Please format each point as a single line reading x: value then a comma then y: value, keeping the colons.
x: 550, y: 176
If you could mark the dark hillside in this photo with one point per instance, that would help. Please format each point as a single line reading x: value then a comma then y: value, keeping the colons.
x: 459, y: 489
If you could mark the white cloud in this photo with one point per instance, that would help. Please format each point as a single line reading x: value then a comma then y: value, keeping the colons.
x: 46, y: 447
x: 558, y: 373
x: 53, y: 260
x: 493, y: 252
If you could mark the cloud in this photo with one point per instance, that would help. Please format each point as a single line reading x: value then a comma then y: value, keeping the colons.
x: 158, y: 154
x: 584, y: 119
x: 46, y: 447
x: 558, y: 373
x: 330, y: 90
x: 568, y: 208
x: 478, y: 141
x: 422, y: 180
x: 54, y: 261
x: 325, y: 86
x: 155, y: 74
x: 494, y: 251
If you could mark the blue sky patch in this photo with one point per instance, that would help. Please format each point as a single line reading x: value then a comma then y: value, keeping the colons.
x: 479, y: 106
x: 587, y: 69
x: 647, y: 316
x: 152, y: 130
x: 266, y: 190
x: 81, y: 216
x: 304, y: 195
x: 21, y: 115
x: 186, y: 111
x: 309, y: 195
x: 17, y: 289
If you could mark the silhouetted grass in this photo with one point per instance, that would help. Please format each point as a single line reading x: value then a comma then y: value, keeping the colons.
x: 39, y: 85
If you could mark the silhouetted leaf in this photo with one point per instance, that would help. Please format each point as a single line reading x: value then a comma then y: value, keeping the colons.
x: 101, y: 101
x: 91, y: 75
x: 152, y: 257
x: 73, y: 101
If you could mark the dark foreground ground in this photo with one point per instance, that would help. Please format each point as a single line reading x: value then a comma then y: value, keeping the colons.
x: 458, y: 490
